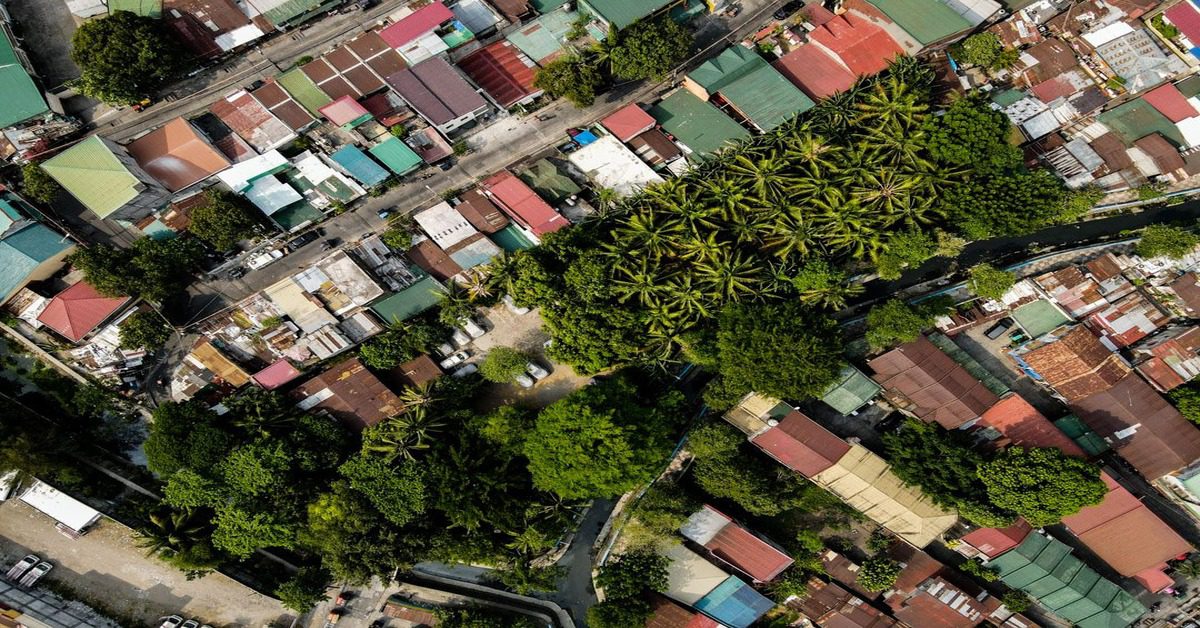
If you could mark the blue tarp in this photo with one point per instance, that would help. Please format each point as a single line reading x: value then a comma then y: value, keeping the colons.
x: 734, y: 604
x: 585, y: 138
x: 361, y: 167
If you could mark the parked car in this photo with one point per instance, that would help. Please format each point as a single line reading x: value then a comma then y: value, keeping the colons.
x: 460, y: 338
x: 384, y: 213
x: 8, y: 484
x: 788, y: 9
x: 445, y: 349
x: 237, y: 272
x: 264, y: 259
x: 171, y: 622
x: 25, y: 564
x: 191, y: 623
x: 536, y: 371
x: 524, y: 381
x: 455, y: 360
x: 294, y: 244
x: 997, y: 330
x: 466, y: 370
x: 513, y: 307
x: 32, y: 576
x: 472, y: 328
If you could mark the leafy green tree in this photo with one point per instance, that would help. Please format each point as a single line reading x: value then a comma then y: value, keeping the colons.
x: 38, y: 185
x: 125, y: 57
x: 506, y: 427
x: 1016, y: 601
x: 185, y: 435
x: 878, y: 573
x: 972, y: 134
x: 1042, y: 485
x: 791, y: 583
x: 522, y: 578
x: 257, y: 469
x: 989, y: 282
x: 906, y: 249
x: 1077, y: 203
x: 241, y: 533
x: 503, y: 364
x: 398, y: 492
x: 144, y: 330
x: 480, y: 618
x: 600, y: 441
x: 633, y: 573
x: 354, y: 540
x: 401, y: 343
x: 223, y: 220
x: 896, y: 322
x: 649, y: 49
x: 151, y: 269
x: 1167, y: 241
x: 399, y: 236
x: 187, y: 489
x: 803, y: 349
x: 819, y: 283
x: 1187, y: 400
x: 572, y: 77
x: 979, y: 570
x: 1009, y: 202
x: 981, y: 49
x: 619, y: 613
x: 304, y: 590
x: 181, y: 538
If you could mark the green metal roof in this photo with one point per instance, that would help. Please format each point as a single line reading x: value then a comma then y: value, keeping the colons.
x: 92, y: 174
x: 622, y: 13
x: 928, y: 21
x: 1189, y: 86
x: 296, y: 215
x: 699, y: 125
x: 852, y: 391
x: 549, y: 183
x: 396, y: 155
x: 1137, y: 119
x: 304, y: 90
x: 410, y: 301
x: 1008, y: 97
x: 542, y: 37
x: 757, y: 90
x: 546, y: 6
x: 22, y: 252
x: 296, y: 11
x: 1082, y: 435
x: 1039, y: 317
x: 144, y: 8
x: 22, y: 98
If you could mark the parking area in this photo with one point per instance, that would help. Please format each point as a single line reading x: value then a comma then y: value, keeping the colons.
x: 524, y: 333
x: 107, y: 560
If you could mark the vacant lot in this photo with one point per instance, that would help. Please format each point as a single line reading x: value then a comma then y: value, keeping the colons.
x: 106, y: 567
x: 524, y: 332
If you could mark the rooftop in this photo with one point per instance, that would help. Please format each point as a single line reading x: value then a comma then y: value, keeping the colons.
x: 481, y: 212
x: 279, y: 102
x: 747, y: 82
x: 503, y: 71
x: 78, y: 310
x: 24, y: 250
x: 92, y: 174
x: 542, y: 38
x: 345, y: 112
x: 523, y: 204
x: 415, y: 372
x: 410, y: 301
x: 928, y: 21
x: 177, y: 155
x: 816, y: 71
x: 276, y: 375
x: 852, y: 391
x: 434, y: 89
x: 697, y: 124
x: 415, y: 24
x: 396, y: 155
x: 802, y: 445
x: 628, y: 122
x: 622, y: 13
x: 252, y: 122
x: 1129, y: 319
x: 735, y: 545
x: 863, y: 47
x: 1169, y: 101
x: 1019, y: 423
x: 362, y: 168
x: 22, y: 98
x: 938, y: 389
x: 349, y: 392
x: 1076, y: 364
x: 611, y: 165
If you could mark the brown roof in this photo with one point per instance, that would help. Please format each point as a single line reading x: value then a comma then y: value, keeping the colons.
x: 1164, y: 154
x: 221, y: 366
x: 1054, y: 57
x: 802, y: 445
x: 199, y: 22
x: 668, y: 614
x: 247, y: 117
x: 350, y: 393
x: 1187, y: 288
x: 1104, y: 267
x: 830, y: 604
x: 512, y: 9
x: 415, y: 372
x: 1154, y: 436
x: 918, y: 566
x: 657, y: 142
x: 1077, y: 365
x: 937, y: 387
x: 328, y: 80
x: 481, y: 212
x: 1021, y: 424
x: 1113, y: 151
x: 939, y: 603
x: 177, y: 155
x: 433, y: 260
x: 275, y: 98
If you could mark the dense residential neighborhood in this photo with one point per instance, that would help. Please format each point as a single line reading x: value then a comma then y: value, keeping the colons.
x: 606, y: 313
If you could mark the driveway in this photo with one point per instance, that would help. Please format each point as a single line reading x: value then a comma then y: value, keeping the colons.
x: 107, y: 567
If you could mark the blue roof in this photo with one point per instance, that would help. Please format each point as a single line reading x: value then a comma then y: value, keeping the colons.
x: 22, y: 252
x: 361, y: 167
x: 734, y: 604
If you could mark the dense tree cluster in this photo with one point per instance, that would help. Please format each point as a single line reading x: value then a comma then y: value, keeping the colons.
x: 38, y: 185
x: 125, y: 57
x: 989, y: 282
x: 626, y: 580
x: 152, y: 269
x: 223, y: 220
x: 1167, y: 241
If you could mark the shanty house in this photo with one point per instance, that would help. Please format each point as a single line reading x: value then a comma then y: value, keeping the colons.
x: 698, y: 125
x: 350, y: 393
x: 734, y: 545
x: 29, y: 250
x: 426, y: 32
x: 1073, y: 362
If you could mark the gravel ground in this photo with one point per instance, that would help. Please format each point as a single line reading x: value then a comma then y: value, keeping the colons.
x: 524, y: 332
x: 105, y: 566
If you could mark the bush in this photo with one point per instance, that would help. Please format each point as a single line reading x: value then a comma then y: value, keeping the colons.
x: 144, y: 330
x: 304, y: 590
x: 502, y: 365
x: 1016, y: 601
x: 895, y: 322
x: 1187, y: 399
x: 38, y: 185
x: 990, y: 282
x: 1167, y: 241
x: 878, y: 573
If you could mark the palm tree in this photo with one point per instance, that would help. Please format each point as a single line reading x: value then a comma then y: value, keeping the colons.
x: 646, y: 231
x: 700, y: 248
x: 791, y: 236
x: 455, y: 304
x: 530, y: 541
x: 1189, y: 569
x: 502, y: 271
x: 892, y: 102
x: 684, y: 295
x: 477, y: 283
x: 419, y: 395
x: 767, y: 175
x: 885, y: 191
x: 419, y: 423
x: 403, y: 435
x: 813, y: 152
x: 730, y: 275
x: 172, y: 531
x: 643, y: 281
x: 832, y: 296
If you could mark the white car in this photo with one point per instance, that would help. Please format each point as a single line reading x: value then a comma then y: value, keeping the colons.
x: 171, y: 622
x: 258, y: 261
x: 524, y: 381
x: 465, y: 371
x: 472, y: 328
x: 536, y: 371
x: 455, y: 360
x: 8, y: 484
x: 445, y: 349
x: 513, y: 307
x: 460, y: 338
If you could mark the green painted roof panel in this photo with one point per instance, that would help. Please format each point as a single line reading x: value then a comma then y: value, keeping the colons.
x: 549, y: 183
x: 852, y: 391
x: 144, y: 8
x: 622, y: 13
x: 1137, y: 119
x: 751, y: 85
x: 409, y: 302
x: 304, y: 90
x: 22, y: 98
x: 396, y: 155
x: 1189, y: 86
x: 287, y: 11
x: 542, y: 37
x: 699, y: 125
x: 92, y: 174
x: 928, y: 21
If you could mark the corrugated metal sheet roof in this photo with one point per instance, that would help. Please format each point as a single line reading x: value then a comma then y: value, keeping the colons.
x: 1021, y: 424
x: 1077, y: 365
x: 802, y: 445
x: 356, y: 397
x: 252, y: 122
x: 437, y: 91
x: 697, y: 124
x: 734, y: 604
x: 23, y: 251
x: 622, y: 13
x: 415, y: 24
x: 279, y: 102
x: 144, y: 8
x: 345, y: 112
x: 409, y: 302
x: 22, y: 98
x: 176, y: 155
x: 628, y: 122
x: 1136, y: 119
x: 361, y: 167
x: 939, y: 389
x: 396, y: 155
x: 542, y: 39
x: 303, y: 90
x: 864, y: 47
x: 815, y: 71
x: 92, y: 174
x: 928, y: 21
x: 1170, y: 102
x: 502, y: 71
x: 79, y: 309
x: 689, y: 576
x: 852, y: 390
x: 523, y: 204
x: 276, y: 375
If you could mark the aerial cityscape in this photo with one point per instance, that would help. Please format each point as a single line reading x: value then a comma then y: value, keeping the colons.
x: 600, y: 313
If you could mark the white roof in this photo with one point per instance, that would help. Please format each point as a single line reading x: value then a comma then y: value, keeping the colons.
x: 59, y: 506
x: 1102, y: 36
x: 241, y: 175
x: 690, y: 577
x: 1190, y: 129
x: 1040, y: 125
x: 446, y: 226
x: 238, y: 36
x: 974, y: 11
x: 611, y: 165
x: 271, y: 195
x: 704, y: 525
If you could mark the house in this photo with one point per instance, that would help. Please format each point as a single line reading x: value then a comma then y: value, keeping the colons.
x: 838, y: 53
x: 1048, y: 572
x: 23, y: 99
x: 307, y: 312
x: 356, y: 68
x: 396, y: 156
x: 831, y: 604
x: 304, y: 90
x: 1134, y: 55
x: 988, y: 543
x: 734, y: 545
x: 621, y: 13
x: 937, y: 601
x: 177, y: 155
x: 29, y: 250
x: 409, y: 301
x: 349, y: 392
x: 851, y: 391
x: 207, y: 357
x: 277, y: 374
x: 544, y: 38
x: 425, y: 33
x: 610, y: 165
x: 439, y: 94
x: 284, y: 14
x: 667, y: 614
x: 921, y: 24
x: 1074, y: 291
x: 481, y: 212
x: 345, y: 112
x: 1143, y: 428
x: 280, y: 103
x: 477, y: 16
x: 210, y: 28
x: 742, y: 80
x: 522, y: 204
x: 1186, y: 290
x: 80, y: 309
x: 693, y: 581
x: 358, y: 165
x: 928, y: 384
x: 655, y: 148
x: 628, y: 122
x: 696, y: 124
x: 252, y: 121
x: 1129, y: 319
x: 1073, y: 362
x: 504, y: 73
x: 1013, y: 421
x: 414, y: 373
x: 1170, y: 359
x: 105, y: 179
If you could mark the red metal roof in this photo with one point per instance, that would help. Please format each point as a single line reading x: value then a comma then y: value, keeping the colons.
x: 1186, y: 18
x: 864, y: 47
x: 750, y: 554
x: 1170, y: 102
x: 247, y: 117
x: 993, y: 542
x: 628, y: 122
x: 523, y: 204
x: 76, y: 311
x: 502, y: 71
x: 415, y: 24
x: 1021, y: 424
x: 177, y: 155
x: 343, y: 111
x: 276, y: 375
x: 1160, y: 374
x: 1053, y: 89
x: 801, y: 445
x: 815, y: 71
x: 1154, y: 579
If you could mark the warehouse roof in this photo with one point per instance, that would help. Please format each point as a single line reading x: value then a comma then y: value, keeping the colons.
x: 502, y: 71
x: 698, y: 125
x: 22, y: 98
x: 177, y: 155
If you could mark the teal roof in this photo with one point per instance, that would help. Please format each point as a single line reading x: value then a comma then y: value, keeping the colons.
x: 1189, y: 86
x: 546, y: 6
x: 1082, y: 435
x: 297, y: 215
x: 1039, y: 317
x: 852, y: 391
x: 22, y: 252
x: 22, y: 98
x: 699, y: 125
x: 622, y: 13
x: 757, y: 90
x: 1136, y: 119
x: 928, y: 21
x: 1008, y: 97
x: 410, y: 301
x: 1045, y: 569
x: 544, y: 36
x: 396, y: 155
x: 361, y: 167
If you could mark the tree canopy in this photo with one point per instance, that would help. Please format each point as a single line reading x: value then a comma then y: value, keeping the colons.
x: 401, y: 343
x: 989, y: 282
x: 1186, y: 399
x: 878, y: 573
x: 125, y: 57
x: 572, y: 77
x: 896, y: 322
x: 223, y: 220
x: 503, y: 364
x: 1167, y: 241
x: 151, y: 269
x: 1042, y: 485
x: 144, y: 330
x: 38, y: 185
x: 648, y: 49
